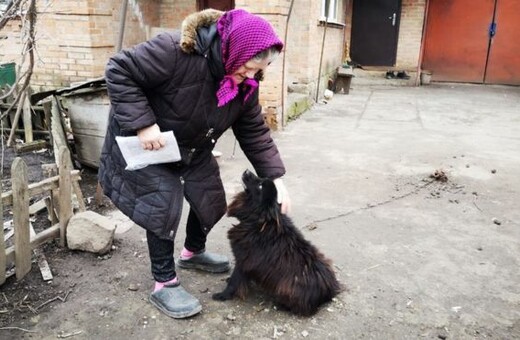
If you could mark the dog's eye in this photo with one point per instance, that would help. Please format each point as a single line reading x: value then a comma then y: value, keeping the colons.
x: 260, y: 186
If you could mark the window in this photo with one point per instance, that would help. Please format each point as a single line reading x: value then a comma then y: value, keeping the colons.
x: 332, y: 5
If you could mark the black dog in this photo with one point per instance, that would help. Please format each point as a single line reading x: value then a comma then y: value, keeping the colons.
x: 271, y: 252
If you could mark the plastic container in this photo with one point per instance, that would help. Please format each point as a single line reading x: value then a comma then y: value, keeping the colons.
x: 7, y: 74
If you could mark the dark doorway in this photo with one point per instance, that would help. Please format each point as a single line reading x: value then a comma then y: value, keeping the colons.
x: 375, y: 30
x: 221, y: 5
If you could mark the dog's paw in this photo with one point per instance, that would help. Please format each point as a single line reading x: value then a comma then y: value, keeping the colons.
x: 221, y: 296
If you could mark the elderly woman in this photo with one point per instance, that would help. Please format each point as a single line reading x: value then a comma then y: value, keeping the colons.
x: 197, y: 83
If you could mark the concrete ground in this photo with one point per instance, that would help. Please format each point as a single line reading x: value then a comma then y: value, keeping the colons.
x: 422, y: 258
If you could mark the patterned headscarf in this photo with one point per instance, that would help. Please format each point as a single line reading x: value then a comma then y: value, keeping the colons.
x: 243, y: 35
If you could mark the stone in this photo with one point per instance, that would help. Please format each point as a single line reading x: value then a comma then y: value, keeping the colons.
x: 90, y: 231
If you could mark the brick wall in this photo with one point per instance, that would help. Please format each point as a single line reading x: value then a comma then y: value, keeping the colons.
x: 172, y: 12
x: 272, y: 94
x: 304, y: 46
x: 75, y: 38
x: 410, y: 33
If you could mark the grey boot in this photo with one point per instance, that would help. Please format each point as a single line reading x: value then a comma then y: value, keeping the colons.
x: 206, y: 261
x: 175, y: 302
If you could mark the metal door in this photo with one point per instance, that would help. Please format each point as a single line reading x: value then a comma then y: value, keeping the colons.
x: 375, y: 29
x: 473, y: 41
x: 504, y: 49
x: 457, y: 38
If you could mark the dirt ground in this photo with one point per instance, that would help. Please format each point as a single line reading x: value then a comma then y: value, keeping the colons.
x: 421, y: 258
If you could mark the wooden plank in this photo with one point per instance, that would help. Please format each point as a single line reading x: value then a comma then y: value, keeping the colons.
x: 52, y: 216
x: 9, y: 226
x: 57, y: 130
x: 15, y: 119
x: 65, y: 198
x: 79, y: 195
x: 21, y: 218
x: 34, y: 107
x: 40, y: 187
x: 45, y: 270
x: 40, y: 238
x: 99, y: 195
x: 31, y: 146
x: 22, y: 131
x: 37, y: 206
x: 3, y: 260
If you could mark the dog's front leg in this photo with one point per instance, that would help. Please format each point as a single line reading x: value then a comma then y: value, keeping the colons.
x: 236, y: 283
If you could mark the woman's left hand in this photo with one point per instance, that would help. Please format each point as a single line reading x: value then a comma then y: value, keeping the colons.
x: 283, y: 196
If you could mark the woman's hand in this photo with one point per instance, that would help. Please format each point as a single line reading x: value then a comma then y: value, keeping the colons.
x: 151, y: 138
x: 283, y: 196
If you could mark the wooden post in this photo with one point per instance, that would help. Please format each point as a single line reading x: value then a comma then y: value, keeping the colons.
x: 27, y: 119
x: 22, y: 242
x: 47, y: 112
x: 57, y: 130
x: 3, y: 260
x: 65, y: 196
x: 51, y: 170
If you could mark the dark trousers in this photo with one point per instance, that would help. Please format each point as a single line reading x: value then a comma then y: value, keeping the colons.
x: 161, y: 250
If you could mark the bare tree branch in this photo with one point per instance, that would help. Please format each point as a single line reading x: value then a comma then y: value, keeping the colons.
x: 28, y: 29
x: 12, y: 8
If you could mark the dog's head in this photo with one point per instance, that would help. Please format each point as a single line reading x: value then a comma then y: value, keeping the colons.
x: 258, y: 198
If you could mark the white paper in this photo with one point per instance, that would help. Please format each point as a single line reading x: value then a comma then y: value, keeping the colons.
x: 137, y: 158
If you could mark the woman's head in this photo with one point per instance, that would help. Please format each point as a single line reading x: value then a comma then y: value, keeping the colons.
x: 246, y: 39
x: 248, y: 45
x: 255, y: 65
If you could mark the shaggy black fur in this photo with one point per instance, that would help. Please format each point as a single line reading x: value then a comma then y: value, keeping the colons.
x: 271, y: 252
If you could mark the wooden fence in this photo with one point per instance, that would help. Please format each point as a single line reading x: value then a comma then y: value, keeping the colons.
x: 60, y: 187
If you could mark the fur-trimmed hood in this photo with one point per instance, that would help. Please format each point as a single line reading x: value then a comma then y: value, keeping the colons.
x: 192, y: 23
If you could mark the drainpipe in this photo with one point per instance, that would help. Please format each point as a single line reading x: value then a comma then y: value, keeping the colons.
x: 421, y: 52
x: 322, y: 48
x: 122, y: 21
x: 283, y: 61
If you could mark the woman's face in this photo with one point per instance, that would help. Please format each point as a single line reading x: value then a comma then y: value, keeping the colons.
x: 249, y: 69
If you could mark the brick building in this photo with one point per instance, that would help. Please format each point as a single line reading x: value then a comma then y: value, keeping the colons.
x: 75, y: 38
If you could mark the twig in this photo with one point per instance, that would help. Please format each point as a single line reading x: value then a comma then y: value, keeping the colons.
x: 28, y: 33
x: 17, y: 328
x: 68, y: 335
x: 10, y: 11
x: 475, y: 203
x: 31, y: 309
x: 62, y: 299
x: 5, y: 297
x: 373, y: 267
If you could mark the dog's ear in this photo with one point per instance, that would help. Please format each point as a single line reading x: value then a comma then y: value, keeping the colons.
x: 269, y: 192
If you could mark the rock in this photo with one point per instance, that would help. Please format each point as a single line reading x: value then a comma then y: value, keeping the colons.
x: 496, y: 221
x: 89, y: 231
x: 133, y: 287
x: 305, y: 334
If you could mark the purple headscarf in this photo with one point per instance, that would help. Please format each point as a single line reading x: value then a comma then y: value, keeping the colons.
x: 243, y: 35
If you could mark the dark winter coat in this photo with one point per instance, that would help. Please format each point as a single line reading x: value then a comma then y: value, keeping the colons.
x: 160, y: 81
